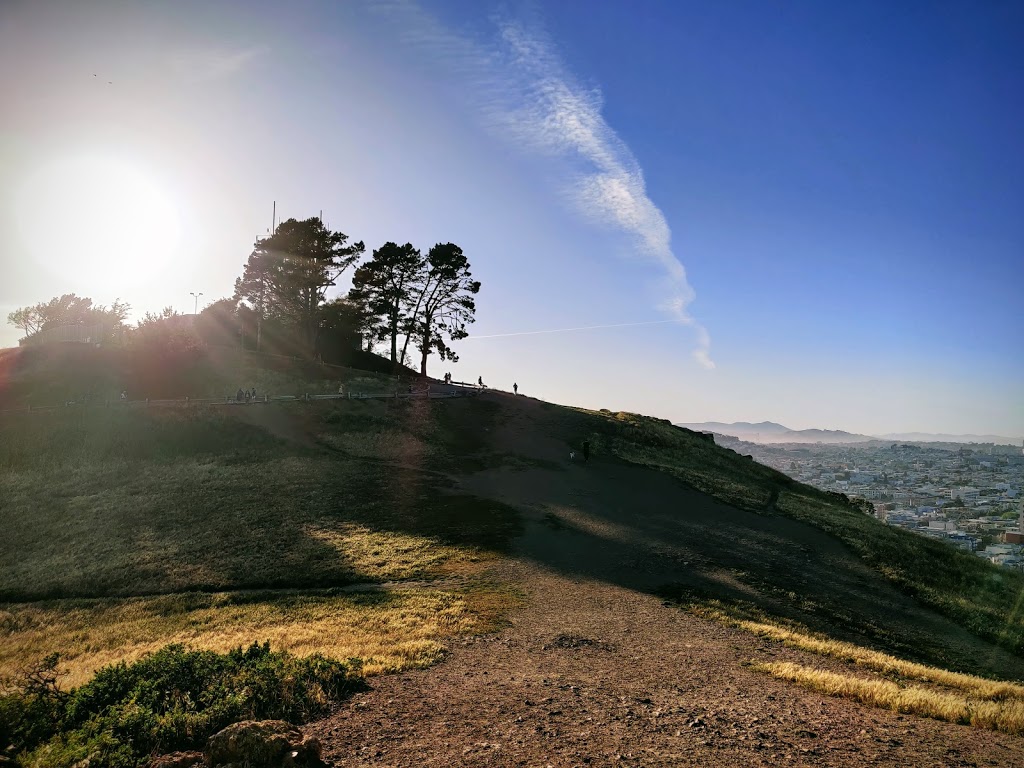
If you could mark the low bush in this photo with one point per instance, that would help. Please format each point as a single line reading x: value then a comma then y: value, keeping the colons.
x: 172, y: 699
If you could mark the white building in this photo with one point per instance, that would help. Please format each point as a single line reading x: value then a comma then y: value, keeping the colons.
x: 964, y: 493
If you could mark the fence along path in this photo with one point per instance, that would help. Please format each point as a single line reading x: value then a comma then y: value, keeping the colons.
x: 440, y: 391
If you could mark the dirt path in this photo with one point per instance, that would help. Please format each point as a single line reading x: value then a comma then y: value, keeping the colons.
x: 595, y: 670
x: 595, y: 674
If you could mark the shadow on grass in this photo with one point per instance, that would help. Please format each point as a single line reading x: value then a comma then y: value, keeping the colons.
x: 150, y: 504
x: 163, y: 502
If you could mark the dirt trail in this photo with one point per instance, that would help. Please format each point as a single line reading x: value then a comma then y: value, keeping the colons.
x: 594, y: 674
x: 595, y: 670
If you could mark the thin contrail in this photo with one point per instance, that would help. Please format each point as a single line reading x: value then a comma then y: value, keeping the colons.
x: 566, y: 330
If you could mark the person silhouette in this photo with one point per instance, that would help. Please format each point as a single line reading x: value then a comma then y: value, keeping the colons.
x: 480, y: 381
x: 515, y: 389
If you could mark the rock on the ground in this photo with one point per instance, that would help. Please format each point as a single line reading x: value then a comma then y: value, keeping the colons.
x: 177, y: 760
x: 262, y: 744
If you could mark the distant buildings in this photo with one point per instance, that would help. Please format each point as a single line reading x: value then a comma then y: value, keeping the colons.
x: 965, y: 493
x: 966, y: 496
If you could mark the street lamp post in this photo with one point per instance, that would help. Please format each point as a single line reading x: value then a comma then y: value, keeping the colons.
x: 196, y: 295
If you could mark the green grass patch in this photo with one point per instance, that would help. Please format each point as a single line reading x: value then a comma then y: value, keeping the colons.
x: 160, y: 501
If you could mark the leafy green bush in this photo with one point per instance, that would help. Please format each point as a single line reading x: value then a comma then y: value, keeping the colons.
x: 169, y: 700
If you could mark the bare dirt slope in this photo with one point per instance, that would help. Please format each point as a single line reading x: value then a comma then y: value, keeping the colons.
x: 596, y: 669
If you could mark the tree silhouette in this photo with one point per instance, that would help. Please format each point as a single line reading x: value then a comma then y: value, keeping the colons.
x: 384, y: 286
x: 444, y: 303
x: 68, y: 309
x: 288, y: 274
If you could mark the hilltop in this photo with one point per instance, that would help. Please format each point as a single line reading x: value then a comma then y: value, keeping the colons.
x: 630, y: 609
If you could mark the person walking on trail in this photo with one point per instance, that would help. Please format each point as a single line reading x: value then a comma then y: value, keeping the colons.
x: 239, y: 395
x: 586, y: 450
x: 480, y: 381
x: 515, y: 389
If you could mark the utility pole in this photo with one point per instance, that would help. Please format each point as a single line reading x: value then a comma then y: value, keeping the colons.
x: 259, y: 314
x: 195, y: 311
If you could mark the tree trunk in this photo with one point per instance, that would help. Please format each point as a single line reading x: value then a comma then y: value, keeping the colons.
x: 425, y: 350
x: 394, y: 342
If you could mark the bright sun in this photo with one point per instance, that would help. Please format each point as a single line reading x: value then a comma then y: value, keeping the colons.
x: 97, y: 221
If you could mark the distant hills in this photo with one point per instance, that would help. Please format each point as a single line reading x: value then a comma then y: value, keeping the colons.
x: 926, y: 437
x: 770, y: 432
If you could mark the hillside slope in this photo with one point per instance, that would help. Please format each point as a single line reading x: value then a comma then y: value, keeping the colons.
x: 228, y: 524
x: 598, y: 669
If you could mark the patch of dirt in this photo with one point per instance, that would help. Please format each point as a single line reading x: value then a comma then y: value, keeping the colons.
x: 572, y: 642
x: 665, y: 689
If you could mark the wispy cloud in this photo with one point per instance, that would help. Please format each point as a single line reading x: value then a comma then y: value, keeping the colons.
x: 525, y: 91
x: 214, y: 63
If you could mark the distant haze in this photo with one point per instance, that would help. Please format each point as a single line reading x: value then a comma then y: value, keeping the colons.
x: 770, y: 432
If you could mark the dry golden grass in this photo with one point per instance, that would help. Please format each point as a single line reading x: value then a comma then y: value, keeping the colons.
x: 389, y: 630
x: 392, y: 555
x: 952, y: 696
x: 976, y: 687
x: 1006, y: 716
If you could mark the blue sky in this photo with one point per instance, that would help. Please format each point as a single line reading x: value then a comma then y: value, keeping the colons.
x: 825, y: 198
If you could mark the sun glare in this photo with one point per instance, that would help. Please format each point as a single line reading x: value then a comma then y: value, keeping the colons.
x: 98, y: 220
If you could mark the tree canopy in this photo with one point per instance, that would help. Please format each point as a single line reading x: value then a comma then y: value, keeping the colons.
x: 288, y: 274
x: 385, y: 287
x: 281, y: 302
x: 68, y: 309
x: 444, y: 303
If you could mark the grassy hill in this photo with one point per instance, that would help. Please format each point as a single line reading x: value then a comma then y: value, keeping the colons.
x: 118, y: 508
x: 371, y: 529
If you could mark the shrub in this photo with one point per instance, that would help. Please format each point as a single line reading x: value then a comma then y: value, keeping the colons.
x: 169, y: 700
